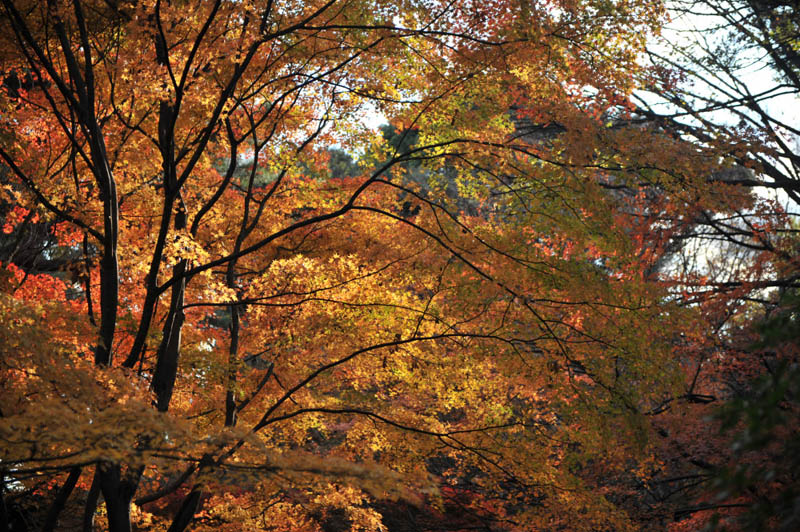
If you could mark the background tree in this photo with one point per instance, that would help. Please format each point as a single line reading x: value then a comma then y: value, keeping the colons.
x: 727, y: 80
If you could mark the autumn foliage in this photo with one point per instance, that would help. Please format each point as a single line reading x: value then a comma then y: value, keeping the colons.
x: 471, y: 319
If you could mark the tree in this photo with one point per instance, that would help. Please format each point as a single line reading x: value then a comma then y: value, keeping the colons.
x: 235, y: 338
x: 725, y: 84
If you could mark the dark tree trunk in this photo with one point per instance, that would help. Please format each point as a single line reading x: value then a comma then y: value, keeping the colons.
x: 91, y: 503
x: 51, y: 520
x: 118, y: 489
x: 186, y: 513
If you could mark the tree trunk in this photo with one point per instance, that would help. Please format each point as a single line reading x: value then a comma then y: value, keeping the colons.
x: 61, y: 499
x: 118, y: 489
x: 91, y: 503
x: 169, y: 350
x: 185, y: 515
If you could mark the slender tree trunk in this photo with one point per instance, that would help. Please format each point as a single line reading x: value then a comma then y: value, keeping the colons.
x: 51, y: 520
x: 151, y: 293
x: 230, y: 399
x: 169, y: 350
x: 109, y: 272
x: 91, y: 503
x: 168, y: 353
x: 186, y: 513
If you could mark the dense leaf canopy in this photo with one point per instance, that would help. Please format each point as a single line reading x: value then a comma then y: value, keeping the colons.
x: 230, y: 303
